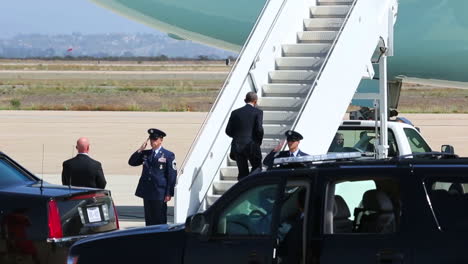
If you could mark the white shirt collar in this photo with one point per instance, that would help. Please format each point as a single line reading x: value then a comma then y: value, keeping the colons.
x: 156, y: 151
x: 83, y: 153
x: 294, y: 153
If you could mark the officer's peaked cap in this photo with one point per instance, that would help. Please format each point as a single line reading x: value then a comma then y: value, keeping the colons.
x: 155, y: 133
x: 293, y: 136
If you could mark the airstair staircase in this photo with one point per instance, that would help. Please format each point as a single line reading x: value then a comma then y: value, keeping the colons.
x: 305, y: 61
x: 290, y: 81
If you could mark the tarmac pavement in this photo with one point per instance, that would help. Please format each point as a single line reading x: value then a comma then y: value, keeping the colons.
x: 42, y: 140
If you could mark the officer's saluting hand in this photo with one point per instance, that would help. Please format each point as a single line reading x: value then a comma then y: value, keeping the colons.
x: 158, y: 177
x: 143, y: 146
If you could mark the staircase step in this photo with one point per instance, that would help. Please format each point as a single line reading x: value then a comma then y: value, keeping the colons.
x: 231, y: 162
x: 323, y: 23
x: 334, y: 11
x: 316, y: 36
x: 270, y: 143
x: 229, y: 173
x: 306, y: 49
x: 280, y: 103
x: 335, y: 2
x: 279, y: 117
x: 211, y: 199
x: 220, y: 187
x: 290, y: 76
x: 299, y: 63
x: 285, y: 90
x: 275, y: 130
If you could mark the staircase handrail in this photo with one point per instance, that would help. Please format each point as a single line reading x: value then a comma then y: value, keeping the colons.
x: 226, y: 82
x: 309, y: 93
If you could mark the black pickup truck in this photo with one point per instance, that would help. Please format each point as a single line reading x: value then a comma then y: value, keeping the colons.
x: 399, y: 210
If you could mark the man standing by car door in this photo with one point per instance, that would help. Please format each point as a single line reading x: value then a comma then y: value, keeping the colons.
x: 245, y: 126
x: 158, y: 177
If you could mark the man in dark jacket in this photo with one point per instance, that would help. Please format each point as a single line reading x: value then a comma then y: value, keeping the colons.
x: 82, y: 170
x: 157, y: 181
x: 293, y: 139
x: 245, y: 126
x: 291, y: 248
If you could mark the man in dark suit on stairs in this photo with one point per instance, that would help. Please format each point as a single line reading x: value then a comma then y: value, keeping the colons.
x: 82, y: 170
x: 245, y: 126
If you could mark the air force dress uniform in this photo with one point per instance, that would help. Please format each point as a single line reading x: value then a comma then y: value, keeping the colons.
x: 290, y: 136
x: 157, y: 179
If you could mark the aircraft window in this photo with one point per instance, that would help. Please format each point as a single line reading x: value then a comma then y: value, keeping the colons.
x: 249, y: 214
x: 416, y: 142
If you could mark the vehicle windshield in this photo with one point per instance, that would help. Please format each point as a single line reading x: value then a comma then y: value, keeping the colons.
x: 352, y: 139
x: 10, y: 174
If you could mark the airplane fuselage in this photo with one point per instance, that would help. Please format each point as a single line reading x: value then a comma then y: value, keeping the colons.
x: 431, y: 36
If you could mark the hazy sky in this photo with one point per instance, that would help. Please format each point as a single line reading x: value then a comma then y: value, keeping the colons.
x: 62, y: 16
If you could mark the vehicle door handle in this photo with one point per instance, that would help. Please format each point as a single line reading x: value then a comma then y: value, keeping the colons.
x: 390, y: 257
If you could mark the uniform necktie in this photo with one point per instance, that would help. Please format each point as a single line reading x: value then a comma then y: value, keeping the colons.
x: 291, y: 154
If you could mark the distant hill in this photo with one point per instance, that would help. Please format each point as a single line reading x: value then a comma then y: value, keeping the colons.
x: 105, y: 45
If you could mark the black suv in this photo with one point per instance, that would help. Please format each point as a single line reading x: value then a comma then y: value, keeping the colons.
x: 392, y: 211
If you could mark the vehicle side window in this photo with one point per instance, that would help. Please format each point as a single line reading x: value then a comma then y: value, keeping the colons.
x: 292, y: 209
x: 416, y: 142
x: 250, y: 213
x: 291, y: 228
x: 392, y: 145
x: 362, y: 140
x: 352, y: 192
x: 364, y: 206
x: 10, y: 175
x: 449, y: 200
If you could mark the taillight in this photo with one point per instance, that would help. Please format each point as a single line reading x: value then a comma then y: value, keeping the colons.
x: 55, y: 225
x: 116, y: 217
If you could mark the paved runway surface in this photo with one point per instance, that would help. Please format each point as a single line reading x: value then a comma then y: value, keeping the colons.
x: 26, y: 135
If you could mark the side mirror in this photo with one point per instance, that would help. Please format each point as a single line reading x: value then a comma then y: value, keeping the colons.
x: 197, y: 224
x: 447, y: 149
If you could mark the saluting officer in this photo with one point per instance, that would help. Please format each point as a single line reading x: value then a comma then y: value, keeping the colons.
x: 158, y: 177
x: 293, y: 139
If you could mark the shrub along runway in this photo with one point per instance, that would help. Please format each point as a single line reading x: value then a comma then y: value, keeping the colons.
x: 161, y: 86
